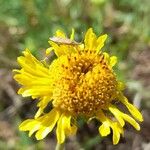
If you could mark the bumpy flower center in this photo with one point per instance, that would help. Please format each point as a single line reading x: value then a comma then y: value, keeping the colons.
x: 82, y: 83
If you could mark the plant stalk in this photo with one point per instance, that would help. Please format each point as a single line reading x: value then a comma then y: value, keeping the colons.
x: 60, y: 146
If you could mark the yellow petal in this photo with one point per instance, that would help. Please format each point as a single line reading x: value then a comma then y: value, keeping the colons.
x: 48, y: 50
x: 34, y: 129
x: 35, y: 91
x: 121, y: 86
x: 117, y: 114
x: 106, y: 56
x: 34, y: 77
x: 113, y: 61
x: 42, y: 105
x: 93, y: 43
x: 100, y: 42
x: 69, y: 129
x: 60, y: 33
x: 27, y: 124
x: 50, y: 119
x: 90, y: 39
x: 30, y: 125
x: 104, y: 129
x: 72, y: 34
x: 60, y: 132
x: 132, y: 109
x: 131, y: 121
x: 38, y: 113
x: 56, y: 48
x: 116, y: 134
x: 64, y: 128
x: 122, y: 116
x: 29, y: 58
x: 43, y: 125
x: 107, y: 124
x: 42, y: 133
x: 48, y: 122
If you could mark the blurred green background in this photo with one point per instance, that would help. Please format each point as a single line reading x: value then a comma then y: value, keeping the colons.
x: 29, y: 23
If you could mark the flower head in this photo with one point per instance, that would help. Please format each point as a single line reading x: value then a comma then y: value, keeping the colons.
x: 79, y: 82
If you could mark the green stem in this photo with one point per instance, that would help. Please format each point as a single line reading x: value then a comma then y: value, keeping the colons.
x: 59, y: 146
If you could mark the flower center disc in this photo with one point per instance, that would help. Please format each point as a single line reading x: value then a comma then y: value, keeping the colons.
x: 82, y: 83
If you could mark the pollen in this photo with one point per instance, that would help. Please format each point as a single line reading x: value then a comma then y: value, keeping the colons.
x: 83, y: 83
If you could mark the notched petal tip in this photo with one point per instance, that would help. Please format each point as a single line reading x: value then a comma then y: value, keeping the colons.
x: 65, y: 128
x: 43, y: 125
x: 102, y: 38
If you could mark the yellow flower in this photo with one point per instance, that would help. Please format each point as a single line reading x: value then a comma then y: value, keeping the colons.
x: 79, y: 82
